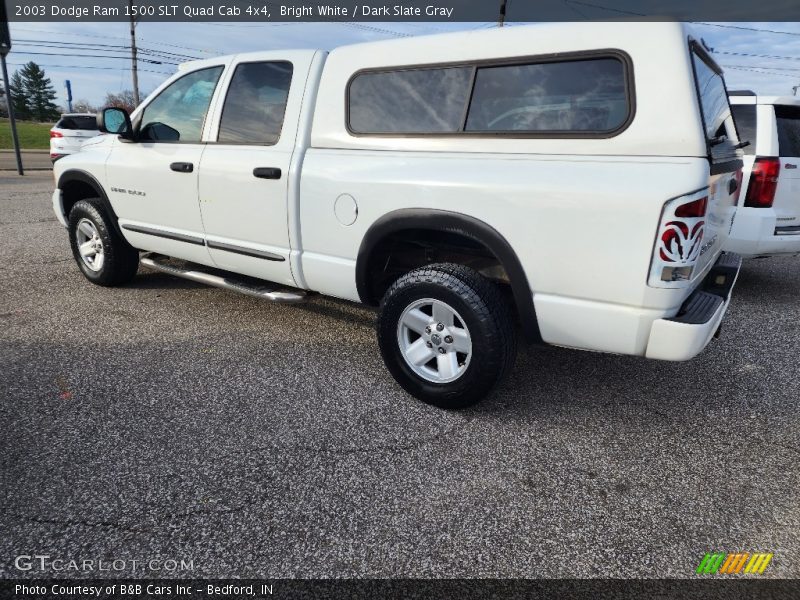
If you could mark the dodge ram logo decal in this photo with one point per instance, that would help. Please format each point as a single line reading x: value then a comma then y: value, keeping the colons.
x: 681, y: 241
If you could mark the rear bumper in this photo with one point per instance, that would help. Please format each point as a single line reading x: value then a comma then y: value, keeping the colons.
x: 757, y: 232
x: 684, y: 336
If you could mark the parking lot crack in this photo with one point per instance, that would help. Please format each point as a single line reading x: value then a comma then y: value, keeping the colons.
x: 395, y: 448
x: 77, y: 523
x: 204, y: 511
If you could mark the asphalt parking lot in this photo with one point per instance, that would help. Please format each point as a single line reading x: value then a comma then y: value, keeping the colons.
x: 167, y: 420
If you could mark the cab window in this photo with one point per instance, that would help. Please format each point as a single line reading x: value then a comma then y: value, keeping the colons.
x: 178, y: 113
x: 256, y: 103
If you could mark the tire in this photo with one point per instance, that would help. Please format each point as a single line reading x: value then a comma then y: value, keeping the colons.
x: 109, y: 260
x: 454, y: 378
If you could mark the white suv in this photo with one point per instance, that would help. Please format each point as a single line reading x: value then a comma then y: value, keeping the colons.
x: 768, y: 219
x: 67, y: 136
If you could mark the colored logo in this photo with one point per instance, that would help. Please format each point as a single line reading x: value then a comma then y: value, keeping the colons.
x: 734, y: 563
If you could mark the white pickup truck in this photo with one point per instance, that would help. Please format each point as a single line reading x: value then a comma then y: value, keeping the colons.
x: 574, y: 183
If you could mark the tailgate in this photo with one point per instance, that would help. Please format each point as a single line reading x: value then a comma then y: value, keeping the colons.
x: 723, y: 194
x: 724, y: 159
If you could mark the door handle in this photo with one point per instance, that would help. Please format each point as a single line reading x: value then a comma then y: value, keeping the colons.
x: 267, y: 172
x: 182, y: 167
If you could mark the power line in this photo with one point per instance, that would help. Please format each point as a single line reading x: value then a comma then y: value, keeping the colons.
x: 756, y: 55
x: 105, y: 48
x: 772, y: 73
x: 757, y: 67
x: 110, y: 37
x: 614, y: 10
x: 147, y: 60
x: 742, y: 27
x: 575, y: 9
x: 83, y: 67
x: 638, y: 14
x: 150, y: 41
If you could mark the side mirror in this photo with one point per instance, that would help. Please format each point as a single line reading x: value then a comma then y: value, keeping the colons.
x: 114, y: 120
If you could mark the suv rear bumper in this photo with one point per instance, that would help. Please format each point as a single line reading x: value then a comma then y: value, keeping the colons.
x: 757, y: 232
x: 684, y: 336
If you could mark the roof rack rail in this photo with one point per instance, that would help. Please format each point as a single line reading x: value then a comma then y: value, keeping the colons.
x: 741, y: 93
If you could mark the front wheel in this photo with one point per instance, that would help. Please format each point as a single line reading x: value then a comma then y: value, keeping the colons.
x: 103, y: 256
x: 446, y: 334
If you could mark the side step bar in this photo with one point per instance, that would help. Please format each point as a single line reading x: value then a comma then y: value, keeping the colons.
x: 220, y: 279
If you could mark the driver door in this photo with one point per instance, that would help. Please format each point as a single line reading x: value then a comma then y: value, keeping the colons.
x: 152, y: 182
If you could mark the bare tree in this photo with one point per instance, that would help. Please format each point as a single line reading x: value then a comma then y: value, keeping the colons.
x: 125, y: 99
x: 84, y: 106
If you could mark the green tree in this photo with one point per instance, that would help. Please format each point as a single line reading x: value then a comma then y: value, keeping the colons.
x: 38, y: 93
x: 20, y: 100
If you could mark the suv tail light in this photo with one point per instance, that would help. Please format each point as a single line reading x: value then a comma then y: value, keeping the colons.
x: 763, y: 182
x: 680, y: 240
x: 56, y: 134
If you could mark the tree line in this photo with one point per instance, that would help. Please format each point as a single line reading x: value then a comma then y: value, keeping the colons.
x: 33, y: 97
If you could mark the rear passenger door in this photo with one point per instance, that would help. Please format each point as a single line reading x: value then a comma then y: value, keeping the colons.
x: 244, y: 172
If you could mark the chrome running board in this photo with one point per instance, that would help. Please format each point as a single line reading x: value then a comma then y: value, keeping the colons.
x: 220, y: 279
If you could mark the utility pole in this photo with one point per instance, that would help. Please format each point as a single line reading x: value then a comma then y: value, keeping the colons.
x: 134, y: 59
x: 502, y: 18
x: 5, y: 48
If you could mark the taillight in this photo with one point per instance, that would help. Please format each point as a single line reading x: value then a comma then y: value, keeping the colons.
x: 680, y: 240
x: 693, y: 209
x: 56, y: 134
x: 763, y: 182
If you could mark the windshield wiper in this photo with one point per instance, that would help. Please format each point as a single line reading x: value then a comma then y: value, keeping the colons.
x: 716, y: 141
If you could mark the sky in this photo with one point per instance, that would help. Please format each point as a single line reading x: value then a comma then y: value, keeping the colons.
x: 766, y: 60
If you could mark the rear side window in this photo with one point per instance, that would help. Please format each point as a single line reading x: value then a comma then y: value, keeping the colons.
x: 585, y: 96
x: 80, y: 122
x: 574, y: 96
x: 788, y: 119
x: 256, y: 103
x: 409, y: 101
x: 745, y: 117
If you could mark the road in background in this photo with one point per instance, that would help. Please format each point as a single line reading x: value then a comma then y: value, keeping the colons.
x: 34, y: 160
x: 170, y: 420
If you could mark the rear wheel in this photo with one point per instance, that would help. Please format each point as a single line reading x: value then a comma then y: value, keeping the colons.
x: 446, y: 334
x: 103, y: 256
